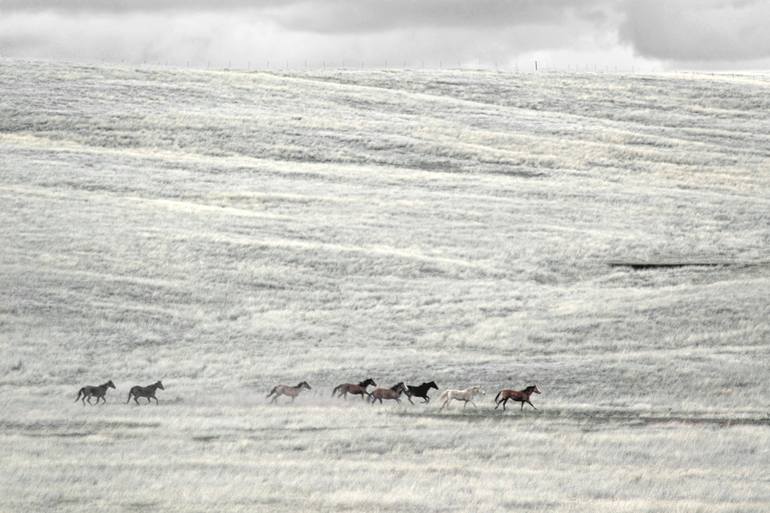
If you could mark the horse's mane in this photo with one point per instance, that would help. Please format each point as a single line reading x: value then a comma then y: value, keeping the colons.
x: 399, y: 384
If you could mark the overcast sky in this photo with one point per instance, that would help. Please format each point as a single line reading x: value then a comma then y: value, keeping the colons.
x: 707, y: 34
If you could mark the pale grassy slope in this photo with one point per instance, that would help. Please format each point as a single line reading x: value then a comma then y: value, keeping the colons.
x: 226, y: 231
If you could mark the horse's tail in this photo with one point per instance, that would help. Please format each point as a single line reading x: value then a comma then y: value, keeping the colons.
x: 82, y: 391
x: 130, y: 393
x: 497, y: 396
x: 272, y: 391
x: 334, y: 392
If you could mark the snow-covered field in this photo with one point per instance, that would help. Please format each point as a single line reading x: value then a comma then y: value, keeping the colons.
x: 228, y: 231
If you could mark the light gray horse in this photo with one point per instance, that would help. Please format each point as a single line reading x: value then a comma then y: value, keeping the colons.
x: 89, y: 391
x: 292, y: 392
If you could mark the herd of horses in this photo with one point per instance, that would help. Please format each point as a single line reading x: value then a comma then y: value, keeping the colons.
x: 362, y: 389
x: 394, y: 393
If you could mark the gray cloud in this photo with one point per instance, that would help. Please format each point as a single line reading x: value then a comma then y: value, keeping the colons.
x: 376, y: 15
x: 676, y: 31
x: 698, y: 30
x: 145, y: 6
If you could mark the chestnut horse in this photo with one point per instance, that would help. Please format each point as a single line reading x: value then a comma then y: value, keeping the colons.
x: 292, y: 392
x: 521, y: 396
x: 349, y: 388
x: 393, y: 392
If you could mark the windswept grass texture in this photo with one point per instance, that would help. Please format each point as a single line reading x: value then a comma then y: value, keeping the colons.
x: 225, y: 232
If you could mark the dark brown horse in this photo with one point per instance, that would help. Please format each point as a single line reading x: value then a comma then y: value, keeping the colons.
x: 394, y: 392
x: 292, y: 392
x: 522, y: 396
x: 148, y: 392
x: 350, y: 388
x: 89, y: 391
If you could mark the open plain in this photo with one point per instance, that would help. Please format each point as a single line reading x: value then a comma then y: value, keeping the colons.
x: 227, y: 231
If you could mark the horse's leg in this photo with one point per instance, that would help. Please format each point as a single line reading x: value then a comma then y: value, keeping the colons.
x: 529, y: 404
x: 522, y: 406
x: 156, y: 399
x: 426, y: 399
x: 504, y: 403
x: 410, y: 399
x: 474, y: 404
x: 136, y: 399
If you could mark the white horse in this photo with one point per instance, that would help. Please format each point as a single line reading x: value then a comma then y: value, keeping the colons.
x: 460, y: 395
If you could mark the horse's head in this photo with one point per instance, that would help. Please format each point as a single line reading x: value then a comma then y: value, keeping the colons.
x: 432, y: 384
x: 477, y: 390
x: 110, y: 384
x: 305, y: 384
x: 159, y: 385
x: 398, y: 387
x: 369, y: 381
x: 533, y: 389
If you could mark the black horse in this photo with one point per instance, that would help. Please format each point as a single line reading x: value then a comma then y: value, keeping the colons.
x: 420, y: 391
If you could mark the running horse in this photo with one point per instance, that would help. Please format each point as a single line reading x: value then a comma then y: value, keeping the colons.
x: 460, y: 395
x: 148, y: 392
x: 292, y: 392
x: 89, y: 391
x: 420, y: 391
x: 350, y: 388
x: 394, y: 393
x: 522, y: 396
